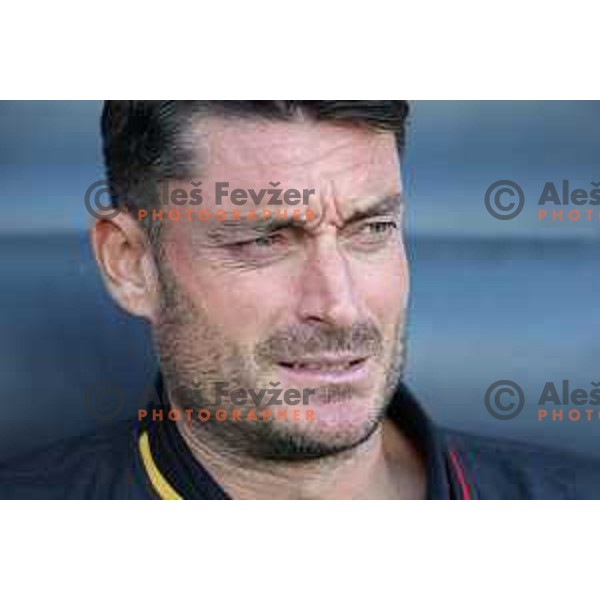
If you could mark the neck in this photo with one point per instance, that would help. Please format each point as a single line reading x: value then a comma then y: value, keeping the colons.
x: 385, y: 466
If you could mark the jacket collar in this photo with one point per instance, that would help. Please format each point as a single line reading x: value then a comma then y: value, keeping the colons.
x: 175, y: 473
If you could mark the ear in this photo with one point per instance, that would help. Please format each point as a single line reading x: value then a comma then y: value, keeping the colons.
x: 125, y: 259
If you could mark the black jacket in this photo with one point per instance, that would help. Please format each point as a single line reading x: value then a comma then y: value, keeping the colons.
x: 150, y: 460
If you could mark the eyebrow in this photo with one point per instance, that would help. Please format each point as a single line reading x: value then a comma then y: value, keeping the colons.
x: 387, y: 205
x: 222, y: 232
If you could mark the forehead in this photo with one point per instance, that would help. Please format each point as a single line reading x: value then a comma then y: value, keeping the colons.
x: 250, y: 152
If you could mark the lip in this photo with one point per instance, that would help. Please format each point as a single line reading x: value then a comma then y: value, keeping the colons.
x: 327, y: 369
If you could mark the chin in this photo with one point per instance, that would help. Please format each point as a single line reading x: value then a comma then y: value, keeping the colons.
x: 333, y: 428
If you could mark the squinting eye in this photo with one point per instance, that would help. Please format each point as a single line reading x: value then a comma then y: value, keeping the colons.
x: 262, y: 242
x: 379, y: 227
x: 376, y: 230
x: 372, y: 235
x: 265, y: 247
x: 265, y: 241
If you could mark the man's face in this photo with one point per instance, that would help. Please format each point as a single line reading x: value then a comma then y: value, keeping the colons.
x: 307, y: 305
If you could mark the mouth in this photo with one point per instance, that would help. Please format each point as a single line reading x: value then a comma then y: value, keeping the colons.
x: 332, y: 369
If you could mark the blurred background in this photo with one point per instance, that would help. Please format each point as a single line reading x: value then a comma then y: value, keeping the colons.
x: 491, y: 299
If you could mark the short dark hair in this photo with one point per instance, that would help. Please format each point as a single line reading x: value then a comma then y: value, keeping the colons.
x: 143, y: 143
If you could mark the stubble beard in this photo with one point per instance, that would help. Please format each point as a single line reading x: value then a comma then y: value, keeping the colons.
x: 195, y: 356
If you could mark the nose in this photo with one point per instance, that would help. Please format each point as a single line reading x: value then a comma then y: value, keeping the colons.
x: 328, y: 292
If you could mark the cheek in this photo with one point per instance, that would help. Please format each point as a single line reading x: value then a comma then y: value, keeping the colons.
x: 248, y: 308
x: 386, y: 287
x: 242, y: 305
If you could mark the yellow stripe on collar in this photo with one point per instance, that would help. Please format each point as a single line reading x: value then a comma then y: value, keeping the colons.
x: 159, y: 483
